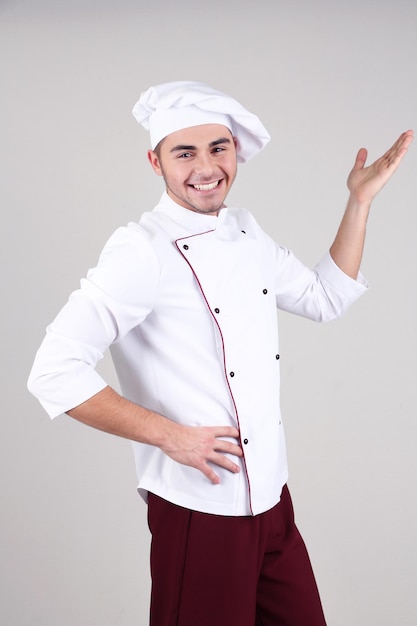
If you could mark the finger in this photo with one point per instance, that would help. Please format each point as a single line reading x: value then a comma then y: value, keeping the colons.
x: 403, y: 143
x: 224, y: 462
x: 225, y: 431
x: 361, y: 159
x: 398, y: 149
x: 228, y: 447
x: 210, y: 474
x: 405, y: 138
x: 221, y: 461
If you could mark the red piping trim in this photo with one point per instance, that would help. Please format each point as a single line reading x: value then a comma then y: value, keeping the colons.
x: 223, y: 347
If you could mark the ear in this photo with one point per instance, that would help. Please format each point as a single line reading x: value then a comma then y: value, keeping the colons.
x: 154, y: 161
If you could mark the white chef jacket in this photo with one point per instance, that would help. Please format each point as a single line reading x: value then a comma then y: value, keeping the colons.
x: 187, y: 304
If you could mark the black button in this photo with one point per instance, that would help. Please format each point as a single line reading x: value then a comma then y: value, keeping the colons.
x: 265, y: 291
x: 216, y: 310
x: 185, y: 246
x: 277, y: 356
x: 232, y: 374
x: 245, y: 441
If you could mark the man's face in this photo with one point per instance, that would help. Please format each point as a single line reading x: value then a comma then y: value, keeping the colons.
x: 198, y: 165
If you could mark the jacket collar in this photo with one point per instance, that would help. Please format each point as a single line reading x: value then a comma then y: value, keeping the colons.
x: 182, y: 222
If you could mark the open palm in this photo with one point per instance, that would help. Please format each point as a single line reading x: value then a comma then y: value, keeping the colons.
x: 365, y: 182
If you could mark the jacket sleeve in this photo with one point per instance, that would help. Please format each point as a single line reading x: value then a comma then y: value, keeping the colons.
x: 116, y: 296
x: 321, y: 294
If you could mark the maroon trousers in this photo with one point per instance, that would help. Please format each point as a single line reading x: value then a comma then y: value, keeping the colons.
x: 210, y: 570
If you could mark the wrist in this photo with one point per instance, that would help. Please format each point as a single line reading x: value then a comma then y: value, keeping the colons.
x: 358, y: 207
x: 166, y: 431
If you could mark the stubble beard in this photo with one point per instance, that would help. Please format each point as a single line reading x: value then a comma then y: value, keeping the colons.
x: 188, y: 203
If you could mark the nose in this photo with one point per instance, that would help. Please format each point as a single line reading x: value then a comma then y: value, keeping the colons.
x: 203, y: 165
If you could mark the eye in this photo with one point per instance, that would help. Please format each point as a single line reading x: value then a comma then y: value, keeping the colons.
x: 184, y: 155
x: 219, y: 149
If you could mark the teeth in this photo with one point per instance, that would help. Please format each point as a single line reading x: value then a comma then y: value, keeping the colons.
x: 208, y: 187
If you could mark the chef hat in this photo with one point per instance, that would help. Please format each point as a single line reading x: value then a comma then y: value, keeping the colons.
x: 164, y: 109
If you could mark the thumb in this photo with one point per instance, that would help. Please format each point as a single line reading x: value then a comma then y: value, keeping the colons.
x: 361, y: 159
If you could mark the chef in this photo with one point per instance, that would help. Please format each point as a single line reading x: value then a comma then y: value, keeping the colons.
x: 186, y: 301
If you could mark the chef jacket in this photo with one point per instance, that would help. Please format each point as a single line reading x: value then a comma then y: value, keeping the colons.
x: 187, y: 304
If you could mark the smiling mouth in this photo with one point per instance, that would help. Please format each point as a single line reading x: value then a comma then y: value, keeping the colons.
x: 207, y: 186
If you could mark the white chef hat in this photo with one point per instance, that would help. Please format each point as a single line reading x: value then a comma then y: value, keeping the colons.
x: 166, y: 108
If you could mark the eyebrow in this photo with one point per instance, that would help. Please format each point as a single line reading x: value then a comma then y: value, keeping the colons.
x: 212, y: 144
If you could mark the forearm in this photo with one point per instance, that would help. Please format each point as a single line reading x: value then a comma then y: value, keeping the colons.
x: 111, y: 413
x: 347, y: 248
x: 193, y: 446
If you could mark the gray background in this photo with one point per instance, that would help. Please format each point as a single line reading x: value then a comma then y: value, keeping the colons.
x: 325, y: 78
